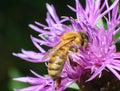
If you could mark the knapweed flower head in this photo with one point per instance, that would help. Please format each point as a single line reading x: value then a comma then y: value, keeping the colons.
x: 100, y: 54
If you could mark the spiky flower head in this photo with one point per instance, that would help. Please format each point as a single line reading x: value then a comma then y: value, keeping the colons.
x: 99, y: 55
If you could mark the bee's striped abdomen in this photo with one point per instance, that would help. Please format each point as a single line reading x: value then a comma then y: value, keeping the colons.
x: 56, y: 64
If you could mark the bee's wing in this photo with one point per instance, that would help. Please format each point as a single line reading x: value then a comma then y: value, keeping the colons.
x: 54, y: 49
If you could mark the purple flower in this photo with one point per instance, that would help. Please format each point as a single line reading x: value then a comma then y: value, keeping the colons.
x: 101, y: 51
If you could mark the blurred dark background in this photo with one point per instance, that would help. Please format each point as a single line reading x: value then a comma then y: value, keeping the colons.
x: 15, y: 15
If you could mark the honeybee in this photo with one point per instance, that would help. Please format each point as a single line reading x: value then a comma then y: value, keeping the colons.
x: 70, y: 41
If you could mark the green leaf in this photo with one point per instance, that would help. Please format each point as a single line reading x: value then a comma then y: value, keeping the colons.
x: 13, y: 73
x: 74, y: 86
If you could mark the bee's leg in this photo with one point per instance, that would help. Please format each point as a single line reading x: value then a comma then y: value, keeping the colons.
x: 73, y: 47
x: 58, y: 83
